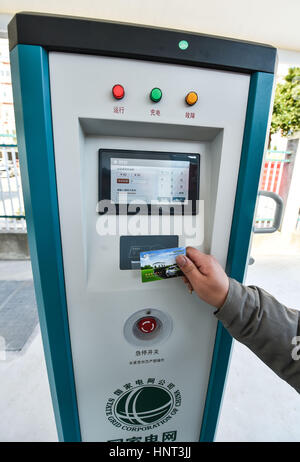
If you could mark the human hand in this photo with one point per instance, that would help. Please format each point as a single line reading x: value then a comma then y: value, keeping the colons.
x: 204, y: 275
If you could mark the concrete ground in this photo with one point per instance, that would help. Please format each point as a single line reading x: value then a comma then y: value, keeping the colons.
x: 257, y: 405
x: 25, y: 403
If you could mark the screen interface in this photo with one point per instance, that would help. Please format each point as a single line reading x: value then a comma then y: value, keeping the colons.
x: 149, y: 181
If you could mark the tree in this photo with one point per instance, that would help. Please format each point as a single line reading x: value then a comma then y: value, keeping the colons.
x: 286, y: 110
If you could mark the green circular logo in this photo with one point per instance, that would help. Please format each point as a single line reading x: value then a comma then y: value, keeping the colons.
x: 143, y: 405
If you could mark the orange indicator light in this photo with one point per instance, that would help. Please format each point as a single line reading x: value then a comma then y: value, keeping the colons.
x: 191, y: 98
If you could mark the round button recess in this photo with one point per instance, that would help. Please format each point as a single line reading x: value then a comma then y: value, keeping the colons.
x: 147, y: 324
x: 155, y: 95
x: 191, y: 98
x: 118, y: 91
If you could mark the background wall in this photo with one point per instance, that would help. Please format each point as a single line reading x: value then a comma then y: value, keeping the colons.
x: 268, y: 21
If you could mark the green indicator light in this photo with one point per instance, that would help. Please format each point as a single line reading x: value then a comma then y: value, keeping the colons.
x: 183, y: 44
x: 155, y: 95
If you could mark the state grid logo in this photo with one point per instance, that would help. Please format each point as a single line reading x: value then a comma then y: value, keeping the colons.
x: 143, y: 405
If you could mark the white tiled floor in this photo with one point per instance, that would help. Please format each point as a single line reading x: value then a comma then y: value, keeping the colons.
x: 257, y: 405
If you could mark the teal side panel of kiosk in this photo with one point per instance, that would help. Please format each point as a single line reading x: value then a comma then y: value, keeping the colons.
x: 30, y: 75
x: 256, y: 125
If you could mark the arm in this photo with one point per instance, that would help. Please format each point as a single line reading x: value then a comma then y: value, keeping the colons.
x: 251, y: 315
x: 259, y: 321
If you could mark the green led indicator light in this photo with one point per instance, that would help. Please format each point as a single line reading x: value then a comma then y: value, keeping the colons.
x: 183, y: 44
x: 155, y: 95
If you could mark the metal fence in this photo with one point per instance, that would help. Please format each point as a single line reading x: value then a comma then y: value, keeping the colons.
x: 12, y: 215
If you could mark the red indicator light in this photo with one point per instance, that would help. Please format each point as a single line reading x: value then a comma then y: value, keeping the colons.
x: 118, y: 91
x: 147, y: 325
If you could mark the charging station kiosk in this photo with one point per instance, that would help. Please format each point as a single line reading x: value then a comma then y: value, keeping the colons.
x: 126, y: 116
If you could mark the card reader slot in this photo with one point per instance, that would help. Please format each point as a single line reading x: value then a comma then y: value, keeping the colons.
x: 132, y: 246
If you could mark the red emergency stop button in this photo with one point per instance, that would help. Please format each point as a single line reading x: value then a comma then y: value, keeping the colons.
x: 118, y: 91
x: 147, y: 324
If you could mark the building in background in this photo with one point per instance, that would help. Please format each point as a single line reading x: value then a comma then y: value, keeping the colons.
x: 12, y: 215
x: 7, y: 118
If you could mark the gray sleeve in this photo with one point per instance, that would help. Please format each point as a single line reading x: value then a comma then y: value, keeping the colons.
x: 259, y: 321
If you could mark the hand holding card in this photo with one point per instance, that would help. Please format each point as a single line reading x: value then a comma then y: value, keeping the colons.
x: 160, y: 264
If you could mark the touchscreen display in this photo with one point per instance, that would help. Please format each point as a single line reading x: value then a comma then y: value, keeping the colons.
x: 149, y: 181
x: 155, y: 178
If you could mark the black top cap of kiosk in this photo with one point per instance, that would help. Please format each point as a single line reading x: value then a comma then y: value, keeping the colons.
x: 91, y: 36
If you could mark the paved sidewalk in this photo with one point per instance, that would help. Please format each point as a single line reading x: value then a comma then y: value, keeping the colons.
x: 15, y: 270
x: 25, y: 403
x: 257, y: 405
